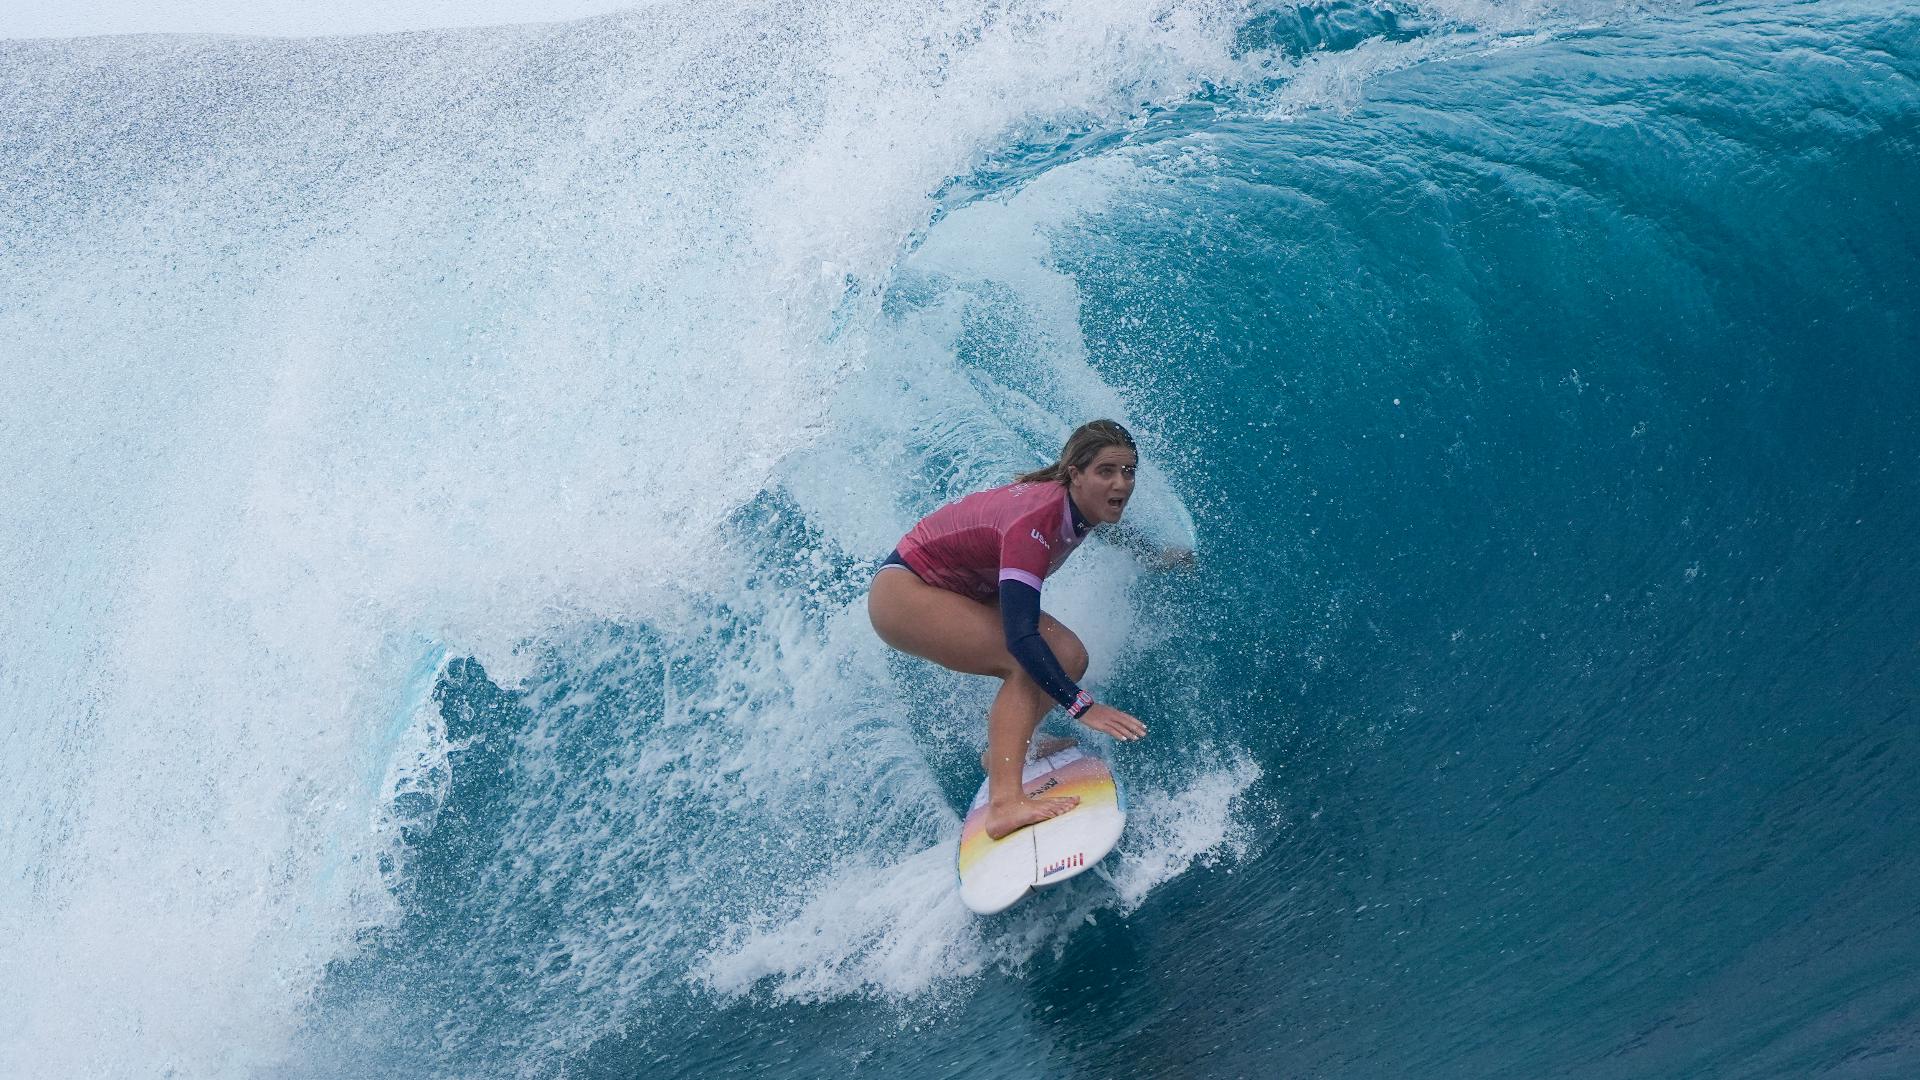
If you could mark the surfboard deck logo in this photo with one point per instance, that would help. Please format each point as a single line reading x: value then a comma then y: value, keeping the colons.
x: 994, y: 874
x: 1071, y: 862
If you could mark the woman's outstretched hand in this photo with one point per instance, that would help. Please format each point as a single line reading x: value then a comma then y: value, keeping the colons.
x: 1174, y: 558
x: 1120, y: 725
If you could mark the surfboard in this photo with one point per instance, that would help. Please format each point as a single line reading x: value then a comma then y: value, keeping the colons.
x: 996, y: 873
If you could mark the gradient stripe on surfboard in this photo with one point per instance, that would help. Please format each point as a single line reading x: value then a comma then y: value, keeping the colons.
x: 996, y: 873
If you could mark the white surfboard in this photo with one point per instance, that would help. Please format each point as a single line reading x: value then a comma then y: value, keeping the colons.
x: 995, y: 873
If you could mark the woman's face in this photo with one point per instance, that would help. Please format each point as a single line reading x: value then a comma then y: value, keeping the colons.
x: 1101, y: 490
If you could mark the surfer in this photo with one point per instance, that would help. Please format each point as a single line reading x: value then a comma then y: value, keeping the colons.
x: 965, y: 594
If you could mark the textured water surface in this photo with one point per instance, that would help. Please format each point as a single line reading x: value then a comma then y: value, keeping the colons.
x: 443, y: 471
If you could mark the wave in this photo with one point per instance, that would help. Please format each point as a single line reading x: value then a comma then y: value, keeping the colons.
x: 451, y: 462
x: 323, y: 349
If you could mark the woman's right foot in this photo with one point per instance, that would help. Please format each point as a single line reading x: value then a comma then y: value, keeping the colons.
x: 1004, y: 819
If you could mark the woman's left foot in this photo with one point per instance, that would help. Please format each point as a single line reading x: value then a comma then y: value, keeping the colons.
x: 1053, y: 745
x: 1048, y: 745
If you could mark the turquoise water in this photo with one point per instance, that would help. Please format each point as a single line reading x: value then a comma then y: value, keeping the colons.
x: 444, y: 470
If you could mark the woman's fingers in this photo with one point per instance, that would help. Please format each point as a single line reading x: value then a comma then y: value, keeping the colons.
x: 1120, y: 725
x: 1175, y: 558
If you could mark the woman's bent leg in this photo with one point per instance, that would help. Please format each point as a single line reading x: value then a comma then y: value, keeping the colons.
x: 1017, y: 710
x: 966, y: 636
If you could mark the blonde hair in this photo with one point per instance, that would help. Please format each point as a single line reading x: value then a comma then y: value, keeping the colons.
x: 1082, y: 447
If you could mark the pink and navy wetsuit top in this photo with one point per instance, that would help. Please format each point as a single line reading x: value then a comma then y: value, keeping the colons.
x: 1003, y: 543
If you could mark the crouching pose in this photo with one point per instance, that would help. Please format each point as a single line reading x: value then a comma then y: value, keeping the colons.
x: 963, y: 590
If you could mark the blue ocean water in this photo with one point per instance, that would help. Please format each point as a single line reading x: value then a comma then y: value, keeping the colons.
x: 444, y: 469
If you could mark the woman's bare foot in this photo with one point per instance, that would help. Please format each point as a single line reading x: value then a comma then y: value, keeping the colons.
x: 1048, y: 745
x: 1006, y: 819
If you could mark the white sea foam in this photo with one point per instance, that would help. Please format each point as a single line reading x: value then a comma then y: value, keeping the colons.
x: 321, y: 350
x: 1199, y: 823
x: 363, y: 356
x: 47, y: 18
x: 894, y: 928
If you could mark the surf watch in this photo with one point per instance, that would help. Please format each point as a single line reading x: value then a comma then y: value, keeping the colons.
x: 1081, y: 703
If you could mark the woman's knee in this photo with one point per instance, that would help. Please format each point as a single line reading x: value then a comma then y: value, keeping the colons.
x: 1076, y: 661
x: 1068, y: 649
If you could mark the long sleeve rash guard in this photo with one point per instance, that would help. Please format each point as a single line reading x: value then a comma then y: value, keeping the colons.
x: 1020, y: 619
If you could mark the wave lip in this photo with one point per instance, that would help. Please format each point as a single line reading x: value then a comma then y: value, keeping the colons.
x: 320, y: 349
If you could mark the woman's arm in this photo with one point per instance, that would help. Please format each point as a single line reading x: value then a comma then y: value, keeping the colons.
x: 1020, y: 619
x: 1143, y: 547
x: 1020, y: 616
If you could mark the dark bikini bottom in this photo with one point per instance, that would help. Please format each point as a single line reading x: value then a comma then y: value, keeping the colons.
x: 894, y: 559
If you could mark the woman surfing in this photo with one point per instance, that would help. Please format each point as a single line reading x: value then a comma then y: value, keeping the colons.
x: 963, y: 590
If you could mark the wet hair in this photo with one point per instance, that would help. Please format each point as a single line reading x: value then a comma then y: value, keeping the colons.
x: 1082, y: 447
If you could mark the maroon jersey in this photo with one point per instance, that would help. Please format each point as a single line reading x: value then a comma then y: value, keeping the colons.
x: 1020, y: 532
